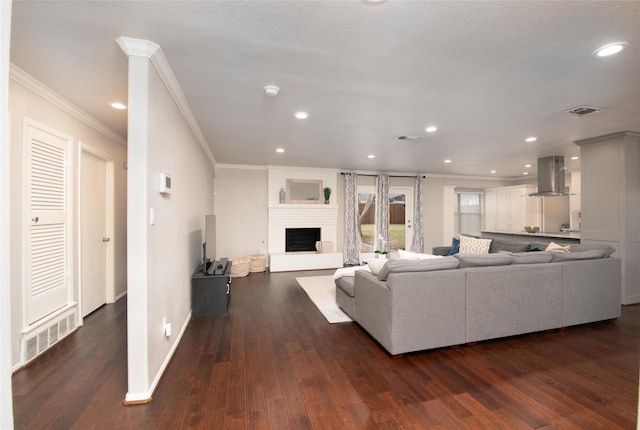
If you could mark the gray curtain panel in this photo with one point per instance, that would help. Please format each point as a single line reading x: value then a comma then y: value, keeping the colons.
x: 382, y: 212
x: 417, y: 241
x: 352, y: 239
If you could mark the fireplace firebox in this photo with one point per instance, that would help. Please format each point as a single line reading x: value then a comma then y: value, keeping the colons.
x: 301, y: 239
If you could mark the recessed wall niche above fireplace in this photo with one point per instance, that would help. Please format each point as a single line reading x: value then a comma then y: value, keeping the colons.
x: 301, y: 239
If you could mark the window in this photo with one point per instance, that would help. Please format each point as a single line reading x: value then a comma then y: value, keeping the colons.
x: 468, y: 212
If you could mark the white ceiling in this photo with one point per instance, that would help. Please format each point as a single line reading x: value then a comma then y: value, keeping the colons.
x: 488, y: 74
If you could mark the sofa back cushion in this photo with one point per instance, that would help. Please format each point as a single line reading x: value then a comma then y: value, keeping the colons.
x: 608, y: 250
x: 395, y: 266
x: 477, y: 260
x: 581, y: 255
x: 499, y: 245
x: 530, y: 257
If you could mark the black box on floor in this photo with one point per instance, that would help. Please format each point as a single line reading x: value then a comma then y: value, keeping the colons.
x: 210, y: 293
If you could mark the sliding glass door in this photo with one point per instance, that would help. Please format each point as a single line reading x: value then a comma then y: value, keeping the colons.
x: 400, y: 217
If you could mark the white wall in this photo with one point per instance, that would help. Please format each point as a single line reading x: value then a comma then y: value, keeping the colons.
x: 241, y: 210
x: 29, y: 98
x: 163, y: 254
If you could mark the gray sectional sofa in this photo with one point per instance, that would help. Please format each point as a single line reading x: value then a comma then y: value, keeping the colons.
x: 414, y: 305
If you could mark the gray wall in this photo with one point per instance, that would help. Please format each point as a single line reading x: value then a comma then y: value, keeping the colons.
x: 241, y: 210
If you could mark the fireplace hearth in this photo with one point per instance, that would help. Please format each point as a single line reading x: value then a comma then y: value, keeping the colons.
x: 301, y: 239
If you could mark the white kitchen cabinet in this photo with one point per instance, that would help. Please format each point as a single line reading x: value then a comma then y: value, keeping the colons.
x: 491, y: 209
x: 574, y: 202
x: 511, y: 209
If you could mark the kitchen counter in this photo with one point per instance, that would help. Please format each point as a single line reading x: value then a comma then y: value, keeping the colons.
x: 560, y: 237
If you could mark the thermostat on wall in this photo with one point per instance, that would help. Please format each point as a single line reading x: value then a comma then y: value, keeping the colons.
x: 164, y: 185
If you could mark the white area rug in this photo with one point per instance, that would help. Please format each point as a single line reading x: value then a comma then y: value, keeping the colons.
x: 322, y: 292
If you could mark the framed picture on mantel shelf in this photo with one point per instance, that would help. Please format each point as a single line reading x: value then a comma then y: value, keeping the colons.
x: 304, y: 191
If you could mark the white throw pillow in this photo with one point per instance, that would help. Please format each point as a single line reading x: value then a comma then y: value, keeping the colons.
x: 375, y: 264
x: 408, y: 255
x: 554, y: 247
x: 471, y: 245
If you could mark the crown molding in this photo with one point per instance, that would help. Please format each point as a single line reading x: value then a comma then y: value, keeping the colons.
x: 24, y: 79
x: 240, y: 166
x: 137, y: 47
x: 598, y: 139
x: 148, y: 49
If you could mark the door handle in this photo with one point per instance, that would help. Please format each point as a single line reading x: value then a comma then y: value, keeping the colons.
x: 106, y: 239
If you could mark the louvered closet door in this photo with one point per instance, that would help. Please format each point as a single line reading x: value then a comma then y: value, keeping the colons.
x: 47, y: 245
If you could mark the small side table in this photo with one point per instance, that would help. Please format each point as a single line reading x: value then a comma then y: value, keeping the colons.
x: 210, y: 294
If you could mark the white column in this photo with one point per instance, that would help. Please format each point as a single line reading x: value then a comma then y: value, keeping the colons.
x: 6, y: 398
x: 139, y: 52
x: 610, y: 186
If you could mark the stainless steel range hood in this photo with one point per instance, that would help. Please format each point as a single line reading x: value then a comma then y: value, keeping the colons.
x: 550, y: 177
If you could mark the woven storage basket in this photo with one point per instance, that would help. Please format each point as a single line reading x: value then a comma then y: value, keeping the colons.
x: 239, y: 267
x: 257, y: 263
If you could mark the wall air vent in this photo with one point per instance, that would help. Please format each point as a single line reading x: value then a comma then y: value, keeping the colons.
x: 402, y: 138
x: 583, y: 110
x: 39, y: 339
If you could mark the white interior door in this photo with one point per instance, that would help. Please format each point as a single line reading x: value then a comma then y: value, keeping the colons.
x: 47, y: 250
x: 94, y: 239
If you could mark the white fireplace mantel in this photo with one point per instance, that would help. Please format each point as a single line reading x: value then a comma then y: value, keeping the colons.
x: 283, y: 216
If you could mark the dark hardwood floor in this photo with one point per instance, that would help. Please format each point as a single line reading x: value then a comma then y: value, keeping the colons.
x: 275, y: 363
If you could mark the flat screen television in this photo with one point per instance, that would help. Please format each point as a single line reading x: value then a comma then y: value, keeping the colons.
x: 209, y: 245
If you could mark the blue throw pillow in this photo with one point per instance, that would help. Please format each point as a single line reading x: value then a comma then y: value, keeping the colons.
x: 535, y: 249
x: 455, y: 246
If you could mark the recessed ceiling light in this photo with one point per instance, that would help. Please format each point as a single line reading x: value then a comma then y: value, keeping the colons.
x: 525, y: 173
x: 531, y: 139
x: 431, y: 129
x: 302, y: 115
x: 117, y: 105
x: 610, y: 49
x: 493, y: 171
x: 371, y: 156
x: 574, y: 158
x: 271, y: 90
x: 527, y: 165
x: 280, y: 150
x: 448, y: 161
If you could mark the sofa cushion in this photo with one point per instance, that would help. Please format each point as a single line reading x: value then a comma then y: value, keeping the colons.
x: 472, y: 245
x: 530, y: 257
x: 477, y: 260
x: 375, y: 264
x: 346, y: 284
x: 608, y: 250
x: 455, y: 246
x: 499, y: 245
x: 581, y: 255
x: 396, y: 266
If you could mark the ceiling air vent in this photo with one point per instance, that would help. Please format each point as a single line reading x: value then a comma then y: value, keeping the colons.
x: 409, y: 137
x: 583, y: 110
